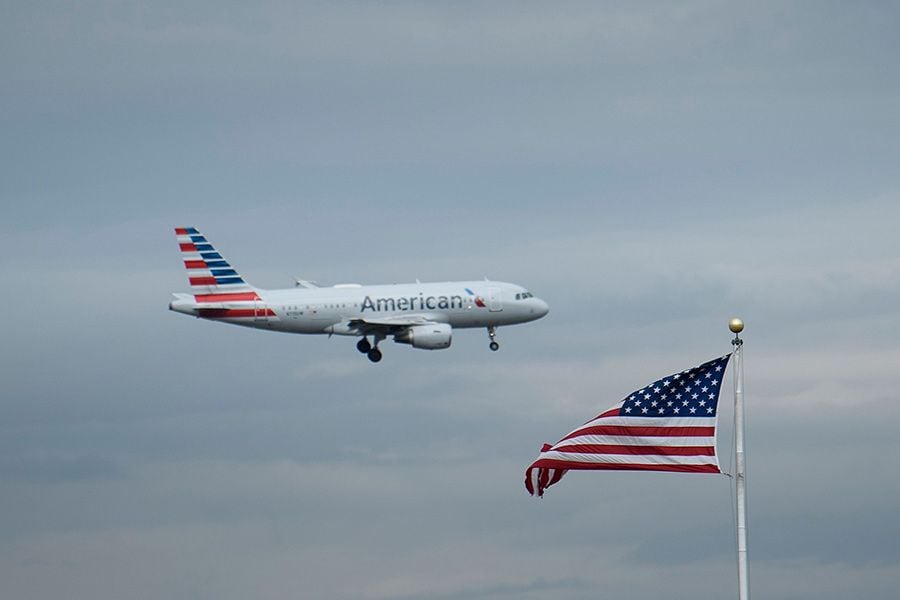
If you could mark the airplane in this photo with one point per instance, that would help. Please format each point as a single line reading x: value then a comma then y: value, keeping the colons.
x: 422, y: 315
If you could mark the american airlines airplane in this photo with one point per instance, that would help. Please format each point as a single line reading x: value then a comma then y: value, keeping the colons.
x: 422, y: 315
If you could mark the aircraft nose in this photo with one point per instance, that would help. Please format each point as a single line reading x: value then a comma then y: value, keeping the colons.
x: 541, y: 308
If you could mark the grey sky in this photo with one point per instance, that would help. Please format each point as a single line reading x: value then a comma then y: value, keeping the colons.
x: 650, y: 169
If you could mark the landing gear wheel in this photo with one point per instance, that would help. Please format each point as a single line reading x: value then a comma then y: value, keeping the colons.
x: 374, y: 355
x: 363, y: 345
x: 492, y: 333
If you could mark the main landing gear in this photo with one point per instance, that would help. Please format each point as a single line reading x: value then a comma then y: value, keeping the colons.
x: 368, y: 349
x: 492, y: 333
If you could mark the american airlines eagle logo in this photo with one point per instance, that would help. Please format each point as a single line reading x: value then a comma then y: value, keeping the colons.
x: 479, y: 301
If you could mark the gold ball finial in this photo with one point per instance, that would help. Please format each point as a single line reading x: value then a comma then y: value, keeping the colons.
x: 736, y: 325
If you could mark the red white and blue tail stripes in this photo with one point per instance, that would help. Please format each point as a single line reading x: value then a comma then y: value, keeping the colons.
x: 208, y: 271
x: 219, y: 291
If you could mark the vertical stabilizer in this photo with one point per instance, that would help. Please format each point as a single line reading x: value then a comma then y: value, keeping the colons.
x: 208, y: 272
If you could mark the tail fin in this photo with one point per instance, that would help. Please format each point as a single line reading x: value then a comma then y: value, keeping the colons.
x: 208, y: 272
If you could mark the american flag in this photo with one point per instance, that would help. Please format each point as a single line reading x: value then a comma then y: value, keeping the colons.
x: 669, y: 425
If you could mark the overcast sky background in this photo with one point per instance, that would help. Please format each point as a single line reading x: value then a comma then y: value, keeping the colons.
x: 649, y: 169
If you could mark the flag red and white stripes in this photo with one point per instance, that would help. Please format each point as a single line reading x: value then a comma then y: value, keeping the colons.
x: 669, y: 425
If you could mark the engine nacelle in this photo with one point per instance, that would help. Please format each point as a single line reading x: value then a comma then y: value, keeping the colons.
x: 434, y: 336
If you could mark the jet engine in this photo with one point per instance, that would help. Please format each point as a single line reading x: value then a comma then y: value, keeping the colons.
x: 434, y: 336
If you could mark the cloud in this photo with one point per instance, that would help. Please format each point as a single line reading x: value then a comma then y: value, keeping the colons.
x: 650, y: 170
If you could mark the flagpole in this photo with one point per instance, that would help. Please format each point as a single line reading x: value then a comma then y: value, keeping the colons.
x: 740, y: 480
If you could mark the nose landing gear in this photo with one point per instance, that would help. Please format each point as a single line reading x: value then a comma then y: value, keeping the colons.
x: 492, y: 333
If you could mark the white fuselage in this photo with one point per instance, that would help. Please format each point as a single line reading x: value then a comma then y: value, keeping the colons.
x: 422, y: 315
x: 335, y: 310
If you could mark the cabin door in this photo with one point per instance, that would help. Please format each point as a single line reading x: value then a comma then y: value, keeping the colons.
x: 495, y: 302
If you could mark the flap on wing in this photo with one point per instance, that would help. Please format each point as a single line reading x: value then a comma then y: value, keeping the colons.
x: 398, y: 321
x: 387, y: 325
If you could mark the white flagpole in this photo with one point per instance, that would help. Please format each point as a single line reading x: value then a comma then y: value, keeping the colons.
x: 740, y: 480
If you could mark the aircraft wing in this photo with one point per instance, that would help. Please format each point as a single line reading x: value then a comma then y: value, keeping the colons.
x: 388, y: 325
